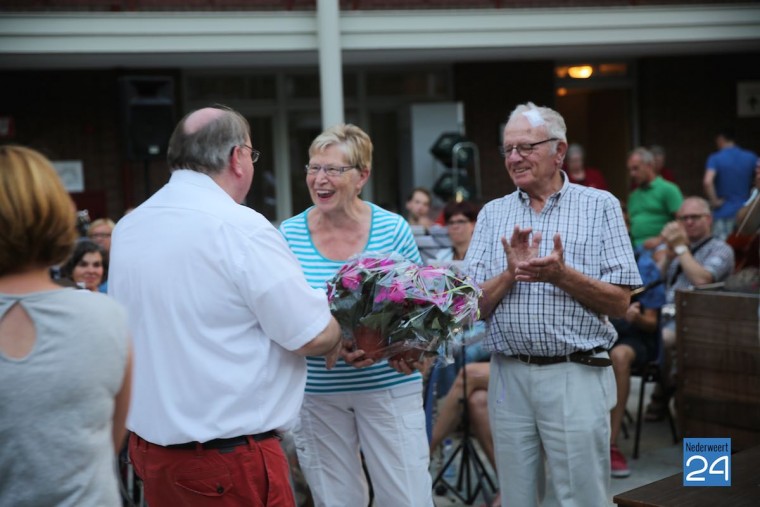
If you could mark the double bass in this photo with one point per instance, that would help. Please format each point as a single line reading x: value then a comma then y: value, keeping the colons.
x: 746, y: 239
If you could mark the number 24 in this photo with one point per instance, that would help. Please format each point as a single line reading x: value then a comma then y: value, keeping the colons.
x: 692, y: 476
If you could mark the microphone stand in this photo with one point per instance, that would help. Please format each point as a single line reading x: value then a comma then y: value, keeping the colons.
x: 470, y: 462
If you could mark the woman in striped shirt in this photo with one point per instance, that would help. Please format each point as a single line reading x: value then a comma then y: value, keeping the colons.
x: 375, y: 409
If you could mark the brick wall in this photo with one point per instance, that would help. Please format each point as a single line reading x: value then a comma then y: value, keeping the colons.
x: 681, y: 102
x: 273, y: 5
x: 156, y: 5
x: 75, y: 115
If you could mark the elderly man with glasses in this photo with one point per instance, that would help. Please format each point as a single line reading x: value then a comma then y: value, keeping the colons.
x: 693, y: 257
x: 547, y: 292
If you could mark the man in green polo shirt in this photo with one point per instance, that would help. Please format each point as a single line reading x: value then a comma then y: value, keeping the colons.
x: 654, y: 202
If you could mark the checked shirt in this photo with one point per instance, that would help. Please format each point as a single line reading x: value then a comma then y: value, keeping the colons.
x: 539, y: 318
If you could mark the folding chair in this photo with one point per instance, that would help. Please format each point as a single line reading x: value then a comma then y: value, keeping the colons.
x: 651, y: 372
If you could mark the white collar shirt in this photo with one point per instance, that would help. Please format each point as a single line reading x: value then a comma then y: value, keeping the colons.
x: 217, y: 304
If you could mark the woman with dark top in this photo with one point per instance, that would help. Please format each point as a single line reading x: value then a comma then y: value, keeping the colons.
x: 460, y: 218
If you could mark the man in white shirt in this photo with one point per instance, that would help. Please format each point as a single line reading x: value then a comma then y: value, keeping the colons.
x: 222, y: 319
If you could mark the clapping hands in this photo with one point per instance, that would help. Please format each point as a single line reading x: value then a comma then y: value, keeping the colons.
x: 523, y: 261
x: 674, y: 234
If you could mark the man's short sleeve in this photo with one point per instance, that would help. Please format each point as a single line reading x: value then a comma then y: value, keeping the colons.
x: 618, y: 263
x: 290, y: 312
x: 720, y: 262
x: 711, y: 164
x: 673, y: 198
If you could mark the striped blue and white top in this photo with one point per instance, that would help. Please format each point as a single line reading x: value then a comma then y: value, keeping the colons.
x: 388, y: 233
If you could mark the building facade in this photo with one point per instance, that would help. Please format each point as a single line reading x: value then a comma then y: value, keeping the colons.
x: 87, y: 81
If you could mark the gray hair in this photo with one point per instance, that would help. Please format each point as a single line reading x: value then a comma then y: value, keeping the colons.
x: 552, y: 120
x: 207, y: 150
x: 701, y: 201
x: 656, y: 149
x: 574, y: 149
x: 644, y: 154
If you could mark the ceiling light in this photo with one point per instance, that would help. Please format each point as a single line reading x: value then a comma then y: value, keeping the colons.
x: 580, y: 71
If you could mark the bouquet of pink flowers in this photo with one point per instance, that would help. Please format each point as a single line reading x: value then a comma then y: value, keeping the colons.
x: 389, y: 305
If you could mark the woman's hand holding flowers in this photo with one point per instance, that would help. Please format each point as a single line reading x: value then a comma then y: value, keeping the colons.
x: 355, y: 357
x: 403, y: 365
x: 391, y: 307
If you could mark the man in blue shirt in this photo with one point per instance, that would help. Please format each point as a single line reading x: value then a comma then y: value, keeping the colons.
x: 727, y: 182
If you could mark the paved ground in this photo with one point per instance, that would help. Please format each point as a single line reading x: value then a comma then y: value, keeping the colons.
x: 659, y: 457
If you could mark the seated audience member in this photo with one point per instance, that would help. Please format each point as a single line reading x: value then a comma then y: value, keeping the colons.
x: 636, y: 345
x: 693, y: 257
x: 654, y: 202
x: 88, y: 265
x: 658, y: 152
x: 100, y: 232
x: 450, y: 411
x: 460, y: 218
x: 418, y: 207
x: 577, y: 171
x: 65, y: 371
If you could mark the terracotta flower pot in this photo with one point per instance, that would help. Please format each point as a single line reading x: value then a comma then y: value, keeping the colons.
x: 371, y: 342
x: 376, y: 346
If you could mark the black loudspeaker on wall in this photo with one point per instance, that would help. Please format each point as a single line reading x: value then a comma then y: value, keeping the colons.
x: 147, y: 104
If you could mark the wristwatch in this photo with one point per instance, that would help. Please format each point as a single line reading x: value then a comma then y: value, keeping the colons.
x: 681, y: 249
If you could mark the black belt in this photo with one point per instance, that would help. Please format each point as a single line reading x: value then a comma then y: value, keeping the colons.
x: 583, y: 357
x: 226, y: 443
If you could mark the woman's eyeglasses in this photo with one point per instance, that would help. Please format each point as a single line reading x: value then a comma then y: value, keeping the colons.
x: 332, y: 171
